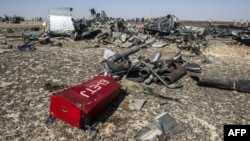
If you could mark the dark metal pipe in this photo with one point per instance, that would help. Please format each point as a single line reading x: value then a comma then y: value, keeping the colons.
x: 149, y: 79
x: 215, y: 82
x: 122, y: 65
x: 224, y: 83
x: 176, y: 73
x: 159, y: 77
x: 144, y: 72
x: 161, y: 71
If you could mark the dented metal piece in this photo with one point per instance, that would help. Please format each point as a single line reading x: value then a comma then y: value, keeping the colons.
x: 150, y: 133
x: 117, y: 62
x: 160, y: 78
x: 164, y: 127
x: 193, y: 67
x: 176, y: 73
x: 144, y: 72
x: 157, y: 57
x: 223, y: 83
x: 133, y: 104
x: 168, y: 124
x: 149, y: 79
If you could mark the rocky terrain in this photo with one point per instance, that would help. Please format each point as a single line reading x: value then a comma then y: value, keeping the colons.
x: 25, y: 101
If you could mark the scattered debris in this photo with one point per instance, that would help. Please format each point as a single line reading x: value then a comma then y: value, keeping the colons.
x: 107, y: 53
x: 165, y: 126
x: 136, y: 87
x: 146, y: 89
x: 137, y: 73
x: 159, y: 71
x: 159, y: 44
x: 14, y: 19
x: 164, y: 31
x: 150, y: 132
x: 244, y: 37
x: 133, y: 104
x: 168, y: 125
x: 26, y: 48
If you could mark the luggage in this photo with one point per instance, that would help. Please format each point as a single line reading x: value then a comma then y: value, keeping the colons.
x: 83, y: 102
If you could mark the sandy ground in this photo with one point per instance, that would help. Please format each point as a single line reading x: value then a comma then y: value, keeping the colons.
x: 24, y: 103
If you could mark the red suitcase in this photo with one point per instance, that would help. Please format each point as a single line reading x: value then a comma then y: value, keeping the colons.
x: 84, y: 101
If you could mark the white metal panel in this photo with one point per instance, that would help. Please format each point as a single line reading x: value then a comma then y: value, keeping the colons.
x: 61, y: 24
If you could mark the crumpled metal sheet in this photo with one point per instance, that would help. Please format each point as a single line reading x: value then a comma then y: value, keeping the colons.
x: 107, y: 53
x: 165, y: 126
x: 163, y: 24
x: 150, y: 133
x: 133, y: 104
x: 136, y: 87
x: 127, y: 45
x: 55, y: 23
x: 198, y: 30
x: 159, y: 44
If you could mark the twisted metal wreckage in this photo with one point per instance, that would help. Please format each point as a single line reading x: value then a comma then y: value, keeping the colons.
x: 79, y: 104
x: 143, y: 71
x: 107, y: 30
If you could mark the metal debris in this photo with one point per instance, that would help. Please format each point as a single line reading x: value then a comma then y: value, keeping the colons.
x: 133, y: 104
x: 136, y: 87
x: 165, y: 126
x: 26, y: 48
x: 150, y: 133
x: 108, y: 53
x: 159, y: 44
x: 223, y: 83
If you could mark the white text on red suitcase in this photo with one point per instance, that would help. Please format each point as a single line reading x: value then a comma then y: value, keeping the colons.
x: 94, y: 88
